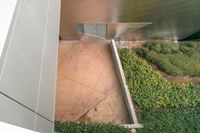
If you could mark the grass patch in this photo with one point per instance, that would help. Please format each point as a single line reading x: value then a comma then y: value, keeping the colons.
x: 149, y: 90
x: 177, y: 59
x: 83, y: 127
x: 171, y: 121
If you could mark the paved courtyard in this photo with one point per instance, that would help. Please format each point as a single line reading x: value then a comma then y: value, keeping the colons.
x: 87, y: 84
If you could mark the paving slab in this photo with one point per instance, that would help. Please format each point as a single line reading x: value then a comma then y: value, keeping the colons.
x: 87, y: 80
x: 111, y: 109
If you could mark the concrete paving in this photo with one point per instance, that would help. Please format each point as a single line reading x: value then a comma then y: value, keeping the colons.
x: 111, y: 109
x: 87, y: 84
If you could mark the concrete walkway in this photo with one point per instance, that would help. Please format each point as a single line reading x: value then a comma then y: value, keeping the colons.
x: 87, y: 85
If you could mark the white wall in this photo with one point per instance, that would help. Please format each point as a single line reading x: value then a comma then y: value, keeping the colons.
x: 4, y: 127
x: 28, y: 65
x: 7, y: 8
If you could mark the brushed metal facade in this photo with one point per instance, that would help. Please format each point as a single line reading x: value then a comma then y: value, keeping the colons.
x: 109, y: 30
x: 28, y: 66
x: 171, y: 19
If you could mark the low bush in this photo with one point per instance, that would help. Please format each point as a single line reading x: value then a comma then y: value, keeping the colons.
x: 177, y: 59
x: 165, y: 47
x: 163, y: 63
x: 83, y: 127
x: 170, y: 121
x: 150, y: 90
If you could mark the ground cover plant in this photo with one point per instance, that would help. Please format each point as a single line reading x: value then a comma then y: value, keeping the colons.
x: 177, y: 59
x: 165, y: 107
x: 170, y: 121
x: 150, y: 90
x: 83, y: 127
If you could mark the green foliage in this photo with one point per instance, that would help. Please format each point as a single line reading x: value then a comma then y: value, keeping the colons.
x: 83, y: 127
x: 149, y: 90
x: 170, y: 121
x: 176, y: 59
x: 163, y: 63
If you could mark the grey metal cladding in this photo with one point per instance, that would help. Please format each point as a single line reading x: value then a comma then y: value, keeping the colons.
x: 171, y: 19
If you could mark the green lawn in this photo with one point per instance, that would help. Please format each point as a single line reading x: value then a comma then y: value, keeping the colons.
x: 177, y: 59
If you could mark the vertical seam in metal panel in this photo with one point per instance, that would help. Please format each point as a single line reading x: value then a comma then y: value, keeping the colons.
x: 42, y: 61
x: 54, y: 102
x: 57, y: 57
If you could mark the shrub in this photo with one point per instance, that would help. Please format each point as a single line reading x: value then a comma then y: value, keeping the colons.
x: 149, y: 90
x: 154, y: 46
x: 143, y: 52
x: 83, y: 127
x: 172, y: 58
x: 165, y: 47
x: 170, y: 121
x: 163, y: 63
x: 169, y: 48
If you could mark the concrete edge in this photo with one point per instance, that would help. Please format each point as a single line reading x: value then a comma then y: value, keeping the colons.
x: 125, y: 90
x: 132, y: 126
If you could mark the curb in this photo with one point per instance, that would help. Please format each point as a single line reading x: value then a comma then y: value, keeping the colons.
x: 125, y: 90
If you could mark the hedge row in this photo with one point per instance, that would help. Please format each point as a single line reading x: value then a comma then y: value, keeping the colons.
x: 176, y: 59
x: 83, y: 127
x: 149, y: 90
x: 170, y: 121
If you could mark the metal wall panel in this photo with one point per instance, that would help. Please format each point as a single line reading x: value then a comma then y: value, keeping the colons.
x: 101, y: 30
x: 171, y: 19
x: 90, y: 29
x: 109, y: 30
x: 29, y: 65
x: 13, y: 113
x: 21, y: 71
x: 98, y: 29
x: 43, y: 126
x: 46, y: 98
